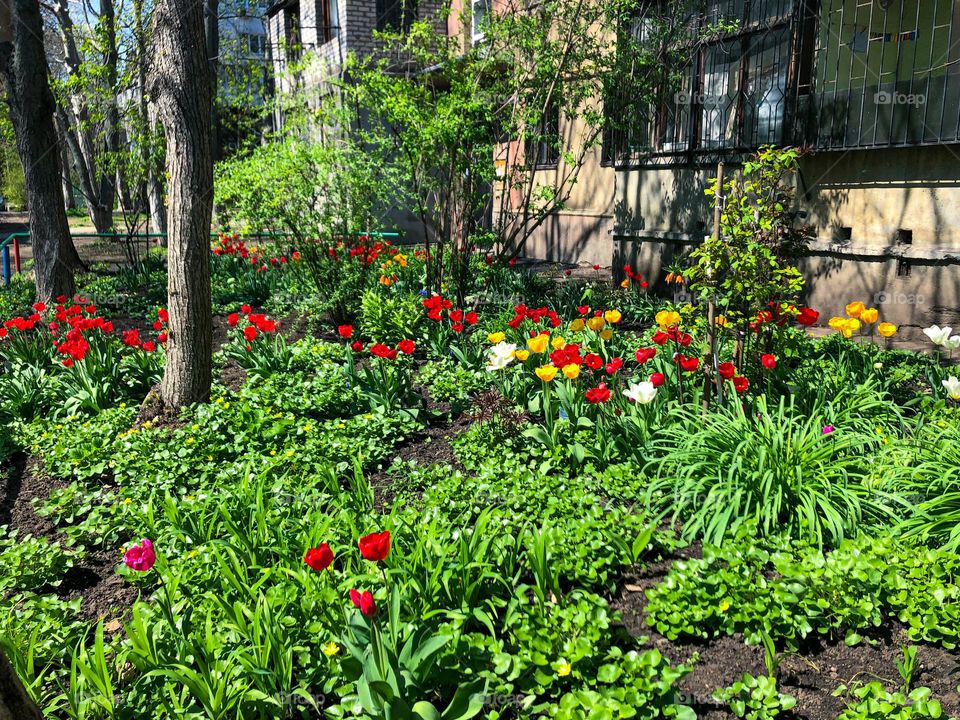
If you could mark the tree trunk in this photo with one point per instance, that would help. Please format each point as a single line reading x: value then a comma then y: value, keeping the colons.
x: 15, y: 704
x: 23, y: 62
x: 96, y: 180
x: 156, y: 212
x: 181, y: 86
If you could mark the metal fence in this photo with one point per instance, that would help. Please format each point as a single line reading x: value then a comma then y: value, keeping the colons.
x: 828, y: 74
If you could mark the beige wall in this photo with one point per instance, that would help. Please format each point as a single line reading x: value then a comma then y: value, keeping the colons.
x: 874, y: 193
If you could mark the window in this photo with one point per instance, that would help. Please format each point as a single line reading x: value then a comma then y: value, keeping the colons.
x: 256, y: 44
x: 292, y: 31
x: 479, y: 17
x: 727, y: 91
x: 542, y: 147
x: 396, y: 15
x: 329, y: 14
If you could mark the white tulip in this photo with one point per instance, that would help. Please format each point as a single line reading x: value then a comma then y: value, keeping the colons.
x: 938, y: 335
x: 500, y: 356
x: 953, y: 343
x: 642, y: 392
x: 952, y: 385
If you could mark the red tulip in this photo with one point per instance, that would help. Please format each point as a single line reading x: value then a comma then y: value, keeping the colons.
x: 658, y: 379
x: 768, y: 361
x: 357, y: 346
x: 807, y: 316
x: 364, y: 602
x: 599, y: 394
x: 232, y: 320
x: 345, y: 331
x: 660, y: 337
x: 406, y: 347
x: 471, y: 318
x: 645, y: 354
x: 727, y: 370
x: 375, y: 546
x: 740, y: 383
x: 614, y: 365
x: 593, y: 361
x: 688, y: 364
x: 319, y: 558
x: 250, y: 333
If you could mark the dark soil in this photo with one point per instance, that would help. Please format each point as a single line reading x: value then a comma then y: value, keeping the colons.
x: 104, y: 593
x: 811, y: 677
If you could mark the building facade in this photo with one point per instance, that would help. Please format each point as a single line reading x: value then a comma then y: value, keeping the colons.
x: 870, y: 88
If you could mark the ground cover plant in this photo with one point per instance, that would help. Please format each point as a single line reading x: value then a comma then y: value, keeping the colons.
x: 401, y: 505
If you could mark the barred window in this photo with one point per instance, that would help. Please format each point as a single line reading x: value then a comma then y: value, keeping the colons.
x: 396, y: 15
x: 542, y: 146
x: 829, y: 74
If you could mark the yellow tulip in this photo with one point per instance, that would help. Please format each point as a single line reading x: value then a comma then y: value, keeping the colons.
x: 612, y: 316
x: 546, y: 373
x: 625, y: 283
x: 721, y: 321
x: 596, y: 323
x: 571, y: 371
x: 667, y: 318
x: 495, y: 337
x: 606, y: 334
x: 837, y: 323
x: 521, y: 355
x: 869, y: 316
x: 538, y: 344
x: 855, y: 308
x: 887, y: 329
x: 577, y: 325
x: 558, y: 342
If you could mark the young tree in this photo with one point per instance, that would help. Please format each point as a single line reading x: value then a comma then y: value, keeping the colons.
x: 23, y: 63
x: 181, y: 86
x: 465, y: 119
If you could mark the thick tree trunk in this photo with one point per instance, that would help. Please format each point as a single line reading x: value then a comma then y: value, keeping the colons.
x: 181, y: 86
x: 15, y: 704
x: 23, y: 62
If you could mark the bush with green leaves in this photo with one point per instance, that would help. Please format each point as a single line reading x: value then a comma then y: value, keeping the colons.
x: 874, y: 702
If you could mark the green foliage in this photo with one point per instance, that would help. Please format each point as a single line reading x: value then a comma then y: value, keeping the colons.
x: 755, y: 698
x: 776, y: 469
x: 390, y: 317
x: 789, y: 592
x: 747, y: 267
x: 873, y: 702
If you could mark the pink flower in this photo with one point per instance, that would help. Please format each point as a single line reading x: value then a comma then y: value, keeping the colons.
x: 140, y: 557
x: 827, y: 429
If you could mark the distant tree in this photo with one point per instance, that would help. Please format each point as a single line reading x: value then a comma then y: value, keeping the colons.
x: 23, y: 64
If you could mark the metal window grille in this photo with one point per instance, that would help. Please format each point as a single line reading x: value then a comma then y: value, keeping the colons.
x: 828, y: 74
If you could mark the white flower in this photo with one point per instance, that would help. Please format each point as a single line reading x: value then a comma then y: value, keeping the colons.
x: 642, y: 392
x: 878, y: 366
x: 953, y: 343
x: 953, y: 387
x: 938, y: 335
x: 500, y: 355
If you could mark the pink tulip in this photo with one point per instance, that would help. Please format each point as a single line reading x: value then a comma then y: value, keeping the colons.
x: 140, y: 557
